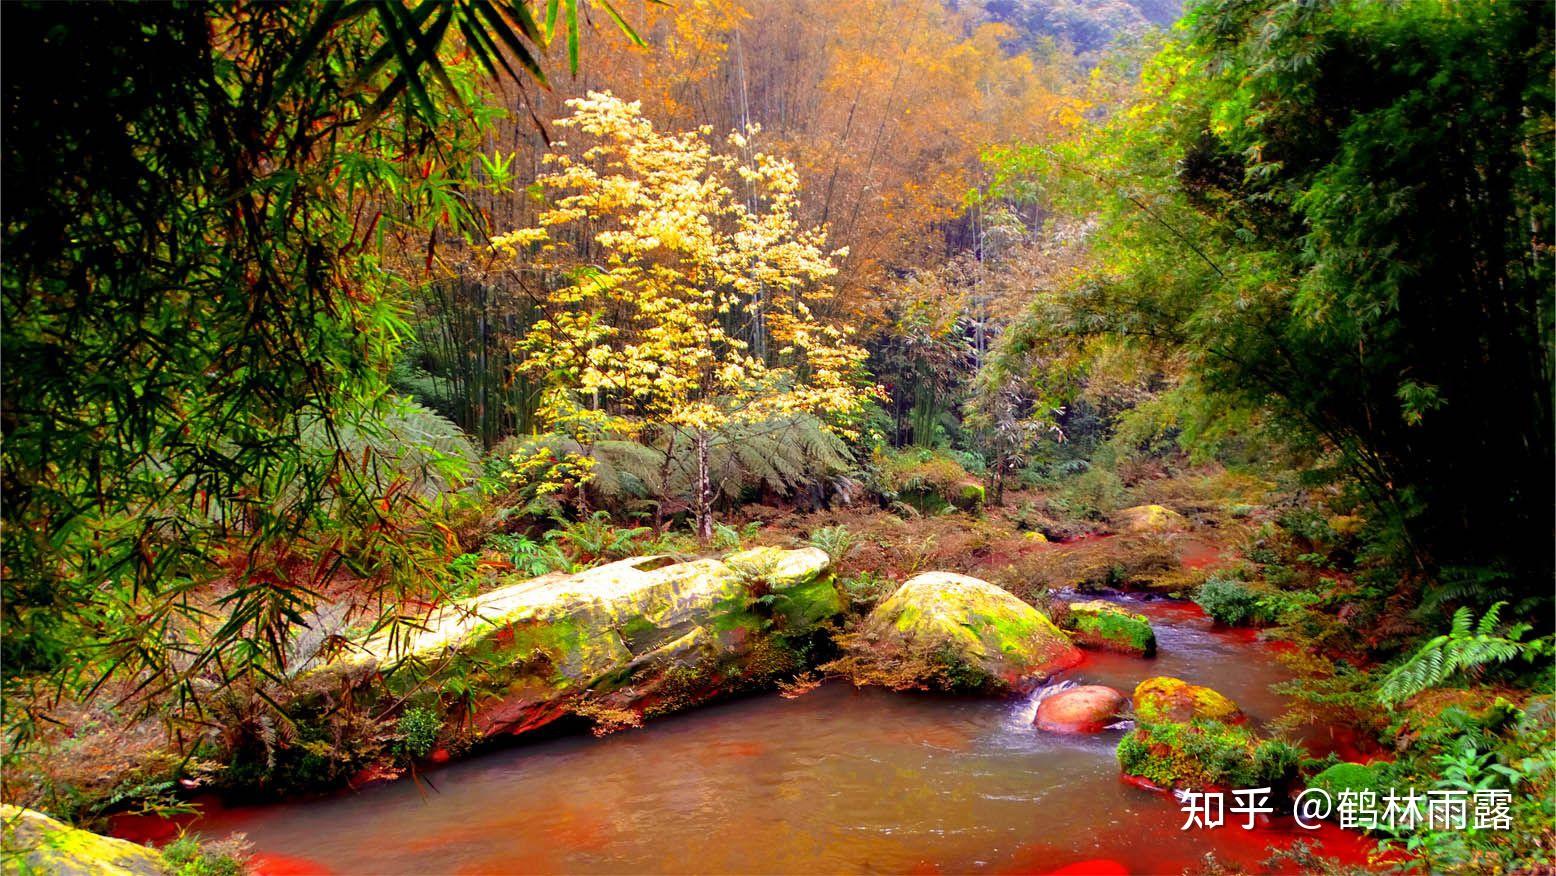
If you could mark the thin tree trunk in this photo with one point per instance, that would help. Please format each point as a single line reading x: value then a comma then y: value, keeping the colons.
x: 704, y: 491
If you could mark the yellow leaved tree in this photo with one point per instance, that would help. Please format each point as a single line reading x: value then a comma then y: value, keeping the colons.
x: 674, y: 283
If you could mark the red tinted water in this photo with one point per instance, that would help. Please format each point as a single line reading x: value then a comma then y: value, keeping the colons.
x: 836, y: 781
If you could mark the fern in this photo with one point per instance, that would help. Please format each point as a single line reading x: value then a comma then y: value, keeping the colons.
x: 411, y: 443
x: 836, y: 541
x: 1467, y: 646
x: 782, y: 455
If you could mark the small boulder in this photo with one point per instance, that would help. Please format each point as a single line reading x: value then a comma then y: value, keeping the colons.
x: 950, y: 632
x: 1143, y: 519
x: 1172, y: 699
x: 1086, y: 709
x: 35, y: 843
x: 1102, y: 624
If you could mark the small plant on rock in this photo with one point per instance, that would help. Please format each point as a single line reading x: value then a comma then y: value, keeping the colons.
x: 418, y: 730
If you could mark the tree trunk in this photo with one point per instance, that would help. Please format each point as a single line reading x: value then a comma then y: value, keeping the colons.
x: 704, y: 491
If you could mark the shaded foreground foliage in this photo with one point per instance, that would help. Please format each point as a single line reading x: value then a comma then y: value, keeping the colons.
x: 201, y: 224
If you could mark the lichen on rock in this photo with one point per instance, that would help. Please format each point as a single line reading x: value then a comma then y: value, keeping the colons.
x: 950, y: 632
x: 34, y: 842
x: 1102, y: 624
x: 1164, y: 698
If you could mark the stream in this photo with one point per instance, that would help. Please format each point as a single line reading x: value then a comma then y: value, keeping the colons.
x: 836, y: 780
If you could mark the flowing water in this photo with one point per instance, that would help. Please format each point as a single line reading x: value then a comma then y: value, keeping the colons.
x: 836, y: 781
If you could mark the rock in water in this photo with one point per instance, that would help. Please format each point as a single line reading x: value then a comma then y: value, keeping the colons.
x: 638, y: 637
x: 1101, y: 624
x: 949, y: 632
x: 1143, y: 519
x: 1164, y: 698
x: 36, y: 843
x: 1086, y: 709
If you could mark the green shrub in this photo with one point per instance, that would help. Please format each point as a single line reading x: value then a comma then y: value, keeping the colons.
x: 418, y: 729
x: 1202, y: 754
x: 190, y: 856
x: 730, y: 538
x: 1230, y: 602
x: 595, y: 537
x: 1094, y: 493
x: 528, y: 556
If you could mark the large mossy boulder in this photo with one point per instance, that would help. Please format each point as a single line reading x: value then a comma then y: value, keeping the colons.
x: 1105, y: 625
x: 1146, y: 519
x: 1203, y: 754
x: 634, y: 638
x: 948, y: 632
x: 1164, y: 698
x: 35, y: 843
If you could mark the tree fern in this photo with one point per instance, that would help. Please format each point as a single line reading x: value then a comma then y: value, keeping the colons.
x: 1467, y: 646
x: 781, y: 455
x: 413, y: 443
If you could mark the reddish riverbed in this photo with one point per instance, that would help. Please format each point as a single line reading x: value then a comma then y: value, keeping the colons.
x: 838, y: 780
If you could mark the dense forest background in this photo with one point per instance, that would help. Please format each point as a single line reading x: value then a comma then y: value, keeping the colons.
x: 337, y: 311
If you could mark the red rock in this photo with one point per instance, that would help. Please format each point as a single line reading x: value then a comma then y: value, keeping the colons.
x: 1086, y: 709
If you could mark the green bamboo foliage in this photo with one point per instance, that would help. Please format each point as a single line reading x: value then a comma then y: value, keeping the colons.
x: 461, y: 362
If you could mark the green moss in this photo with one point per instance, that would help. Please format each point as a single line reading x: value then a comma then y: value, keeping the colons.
x: 809, y: 604
x: 418, y: 729
x: 638, y: 631
x: 1203, y: 754
x: 1352, y: 777
x: 941, y: 630
x: 968, y: 496
x: 1104, y: 625
x: 34, y: 842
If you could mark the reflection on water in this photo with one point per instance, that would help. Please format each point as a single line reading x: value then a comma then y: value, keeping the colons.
x: 838, y: 780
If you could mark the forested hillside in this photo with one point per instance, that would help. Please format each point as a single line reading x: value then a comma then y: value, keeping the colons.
x: 383, y: 380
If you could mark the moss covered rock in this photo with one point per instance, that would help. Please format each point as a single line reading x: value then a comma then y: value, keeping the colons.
x: 967, y: 496
x: 1353, y: 777
x: 1203, y: 754
x: 1172, y: 699
x: 951, y: 632
x: 1142, y: 519
x: 1101, y: 624
x: 641, y: 636
x: 1086, y: 709
x: 34, y: 842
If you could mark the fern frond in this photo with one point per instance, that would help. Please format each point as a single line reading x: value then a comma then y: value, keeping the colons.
x: 1468, y: 647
